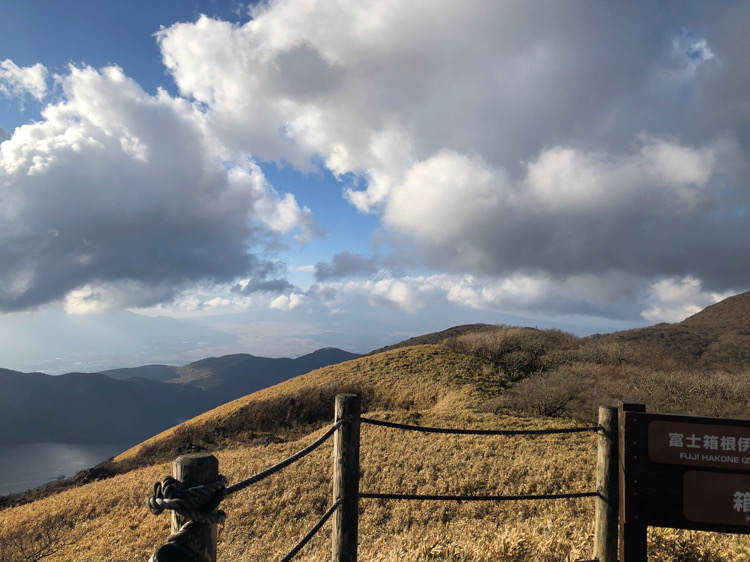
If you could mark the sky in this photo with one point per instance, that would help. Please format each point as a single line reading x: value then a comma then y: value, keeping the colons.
x: 186, y: 178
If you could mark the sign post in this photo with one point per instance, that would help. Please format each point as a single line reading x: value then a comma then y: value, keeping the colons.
x: 684, y: 472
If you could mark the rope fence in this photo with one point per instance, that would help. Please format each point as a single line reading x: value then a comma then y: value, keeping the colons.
x: 286, y: 462
x: 312, y: 531
x: 377, y: 495
x: 456, y: 431
x: 423, y: 429
x: 198, y: 504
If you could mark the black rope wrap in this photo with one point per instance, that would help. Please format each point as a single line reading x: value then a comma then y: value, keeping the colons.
x: 286, y: 462
x: 312, y: 531
x: 377, y: 495
x: 551, y: 431
x: 198, y: 503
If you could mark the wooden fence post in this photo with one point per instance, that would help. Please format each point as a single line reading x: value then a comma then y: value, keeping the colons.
x: 346, y: 479
x: 605, y: 519
x: 192, y: 470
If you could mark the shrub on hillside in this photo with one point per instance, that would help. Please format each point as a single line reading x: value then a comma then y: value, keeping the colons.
x: 44, y: 539
x: 542, y: 394
x: 519, y: 352
x: 578, y: 390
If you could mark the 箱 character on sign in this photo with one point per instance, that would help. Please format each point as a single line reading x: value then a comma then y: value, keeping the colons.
x: 728, y: 443
x: 742, y: 502
x: 675, y: 439
x: 711, y: 442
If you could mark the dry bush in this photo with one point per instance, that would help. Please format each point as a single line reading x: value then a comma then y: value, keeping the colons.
x: 45, y: 537
x: 543, y: 394
x: 518, y: 352
x: 577, y: 390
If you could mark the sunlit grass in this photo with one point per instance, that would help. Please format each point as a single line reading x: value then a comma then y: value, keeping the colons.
x: 428, y: 385
x: 109, y: 519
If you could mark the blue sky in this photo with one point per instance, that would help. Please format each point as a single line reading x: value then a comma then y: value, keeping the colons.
x: 280, y: 177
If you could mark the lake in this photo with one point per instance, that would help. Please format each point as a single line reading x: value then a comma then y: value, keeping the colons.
x: 31, y: 464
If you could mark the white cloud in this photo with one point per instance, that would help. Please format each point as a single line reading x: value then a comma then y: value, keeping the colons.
x: 443, y: 195
x: 517, y: 293
x: 111, y: 296
x: 19, y: 80
x: 120, y: 198
x: 563, y: 161
x: 564, y: 215
x: 679, y: 165
x: 287, y: 301
x: 489, y: 139
x: 674, y: 299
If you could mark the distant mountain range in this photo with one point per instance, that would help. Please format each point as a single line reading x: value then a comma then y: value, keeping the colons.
x: 134, y: 403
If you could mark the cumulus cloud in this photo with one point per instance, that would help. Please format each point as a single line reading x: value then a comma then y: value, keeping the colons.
x: 589, y: 143
x: 569, y: 212
x: 18, y: 81
x: 287, y: 302
x: 566, y: 157
x: 518, y: 293
x: 119, y: 198
x: 259, y: 284
x: 674, y: 299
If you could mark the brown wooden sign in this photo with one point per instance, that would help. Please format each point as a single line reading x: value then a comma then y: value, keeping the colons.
x: 716, y: 498
x: 685, y: 472
x: 699, y: 444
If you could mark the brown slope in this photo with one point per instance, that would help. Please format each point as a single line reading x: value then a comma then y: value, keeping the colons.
x: 718, y: 337
x: 438, y: 337
x: 410, y: 378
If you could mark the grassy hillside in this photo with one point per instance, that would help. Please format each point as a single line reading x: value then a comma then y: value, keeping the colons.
x: 411, y: 379
x: 718, y: 337
x: 427, y: 384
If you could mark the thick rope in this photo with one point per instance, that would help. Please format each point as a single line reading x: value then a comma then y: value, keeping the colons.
x: 377, y: 495
x: 198, y: 503
x: 286, y: 462
x: 551, y: 431
x: 312, y: 531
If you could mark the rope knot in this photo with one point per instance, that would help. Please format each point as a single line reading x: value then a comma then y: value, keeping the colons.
x: 197, y: 503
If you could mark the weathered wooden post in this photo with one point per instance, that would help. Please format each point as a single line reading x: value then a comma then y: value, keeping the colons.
x: 605, y: 519
x: 192, y: 470
x: 346, y: 479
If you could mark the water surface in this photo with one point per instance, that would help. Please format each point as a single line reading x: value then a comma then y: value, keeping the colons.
x: 31, y: 464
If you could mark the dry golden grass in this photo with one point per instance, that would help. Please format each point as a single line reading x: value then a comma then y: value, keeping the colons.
x: 407, y: 378
x: 427, y: 384
x: 108, y: 520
